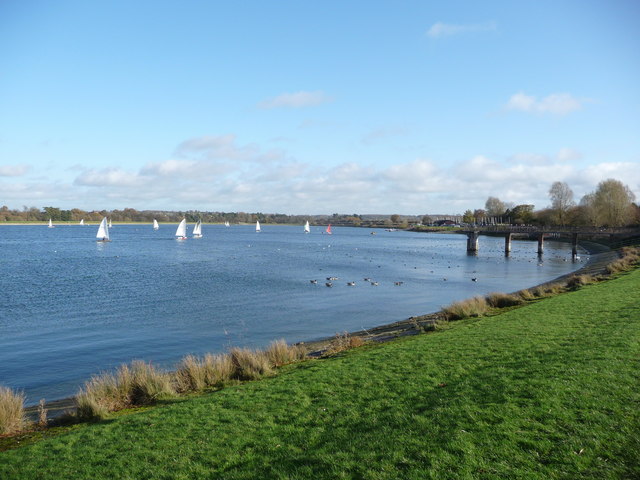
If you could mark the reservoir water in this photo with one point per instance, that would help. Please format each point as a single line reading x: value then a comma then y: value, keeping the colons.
x: 71, y: 307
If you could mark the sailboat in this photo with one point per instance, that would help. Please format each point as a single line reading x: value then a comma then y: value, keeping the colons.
x: 306, y: 227
x: 155, y: 224
x: 82, y: 221
x: 328, y: 230
x: 197, y: 230
x: 181, y: 232
x: 51, y: 224
x: 257, y: 226
x: 226, y: 223
x: 103, y: 231
x: 110, y: 226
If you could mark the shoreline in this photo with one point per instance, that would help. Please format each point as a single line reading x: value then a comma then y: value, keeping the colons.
x: 599, y: 256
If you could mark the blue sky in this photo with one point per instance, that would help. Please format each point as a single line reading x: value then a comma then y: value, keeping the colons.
x: 404, y: 107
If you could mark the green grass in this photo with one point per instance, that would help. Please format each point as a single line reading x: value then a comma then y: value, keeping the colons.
x: 549, y: 390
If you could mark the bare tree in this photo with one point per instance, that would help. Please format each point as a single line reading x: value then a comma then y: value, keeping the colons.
x: 613, y: 203
x: 561, y: 201
x: 495, y: 207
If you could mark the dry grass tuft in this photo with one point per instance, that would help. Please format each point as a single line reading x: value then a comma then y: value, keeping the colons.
x: 577, y: 281
x: 548, y: 290
x: 250, y: 364
x: 280, y: 353
x: 12, y: 418
x: 629, y: 258
x: 196, y: 374
x: 502, y: 300
x: 42, y: 414
x: 526, y: 294
x: 343, y: 341
x: 472, y: 307
x: 135, y: 385
x: 149, y: 385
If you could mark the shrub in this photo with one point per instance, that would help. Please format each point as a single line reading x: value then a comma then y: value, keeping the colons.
x: 12, y: 417
x: 279, y: 353
x: 502, y: 300
x: 472, y: 307
x: 250, y: 364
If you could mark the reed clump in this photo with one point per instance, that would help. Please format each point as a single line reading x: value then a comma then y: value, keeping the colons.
x: 526, y: 295
x: 503, y: 300
x: 250, y: 364
x: 577, y: 281
x: 280, y: 353
x: 12, y: 416
x: 195, y: 374
x: 629, y: 258
x: 471, y: 307
x: 135, y: 385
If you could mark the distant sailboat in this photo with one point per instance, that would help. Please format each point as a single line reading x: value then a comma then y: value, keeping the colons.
x: 110, y: 226
x: 82, y: 221
x: 103, y: 231
x: 181, y: 232
x: 197, y: 230
x: 307, y: 229
x: 226, y: 223
x: 257, y: 226
x: 328, y: 230
x: 155, y: 224
x: 51, y: 224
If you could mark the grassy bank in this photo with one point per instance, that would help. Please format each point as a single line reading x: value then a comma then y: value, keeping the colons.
x: 549, y: 390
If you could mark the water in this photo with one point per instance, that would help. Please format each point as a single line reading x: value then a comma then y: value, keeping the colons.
x: 72, y: 307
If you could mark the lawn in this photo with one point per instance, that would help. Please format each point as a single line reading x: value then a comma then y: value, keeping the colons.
x: 549, y: 390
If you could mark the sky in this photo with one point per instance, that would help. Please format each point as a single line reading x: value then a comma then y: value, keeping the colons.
x: 315, y: 107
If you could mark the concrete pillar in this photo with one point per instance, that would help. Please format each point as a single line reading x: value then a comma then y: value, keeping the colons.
x: 472, y: 241
x: 540, y: 243
x: 507, y: 244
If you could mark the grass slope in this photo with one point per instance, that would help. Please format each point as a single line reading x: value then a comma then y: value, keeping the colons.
x: 545, y: 391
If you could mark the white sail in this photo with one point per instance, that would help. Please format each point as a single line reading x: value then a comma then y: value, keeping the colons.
x: 82, y: 222
x: 226, y: 223
x: 257, y: 226
x: 306, y: 227
x: 103, y: 231
x: 50, y: 223
x: 197, y: 230
x: 181, y: 232
x: 110, y: 223
x: 155, y: 224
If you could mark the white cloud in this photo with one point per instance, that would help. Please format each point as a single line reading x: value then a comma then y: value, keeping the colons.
x: 382, y: 133
x: 210, y: 147
x: 439, y: 29
x: 555, y: 104
x: 13, y: 170
x: 568, y: 155
x: 108, y: 177
x: 296, y: 100
x: 219, y: 173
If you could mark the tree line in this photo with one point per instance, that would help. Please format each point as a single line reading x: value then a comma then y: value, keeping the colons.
x: 611, y: 204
